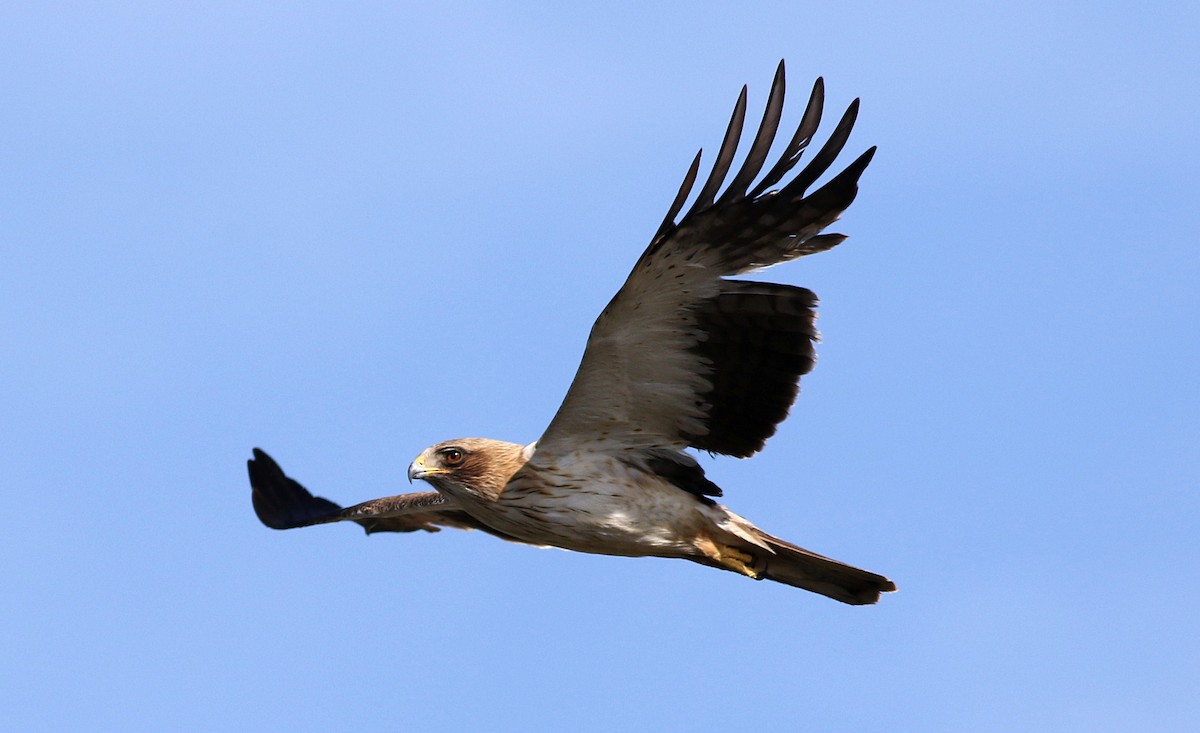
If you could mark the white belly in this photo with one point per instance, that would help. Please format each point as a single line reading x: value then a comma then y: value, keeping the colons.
x: 620, y: 511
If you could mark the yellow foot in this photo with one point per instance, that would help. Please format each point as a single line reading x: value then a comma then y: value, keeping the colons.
x: 735, y: 560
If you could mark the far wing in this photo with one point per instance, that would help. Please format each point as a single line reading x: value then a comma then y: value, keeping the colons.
x: 282, y: 503
x: 683, y: 357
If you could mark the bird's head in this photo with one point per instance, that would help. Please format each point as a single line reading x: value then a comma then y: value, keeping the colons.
x: 478, y: 467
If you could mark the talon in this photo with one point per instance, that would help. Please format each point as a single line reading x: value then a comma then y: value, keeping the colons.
x: 736, y: 560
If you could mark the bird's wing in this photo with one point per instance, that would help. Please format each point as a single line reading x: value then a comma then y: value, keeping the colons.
x: 683, y: 357
x: 282, y: 503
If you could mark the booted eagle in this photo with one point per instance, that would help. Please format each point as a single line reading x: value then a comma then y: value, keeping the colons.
x: 680, y: 358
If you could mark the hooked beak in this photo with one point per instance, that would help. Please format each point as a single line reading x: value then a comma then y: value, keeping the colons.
x: 418, y: 470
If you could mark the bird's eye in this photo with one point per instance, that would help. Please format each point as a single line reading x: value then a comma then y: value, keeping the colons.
x: 452, y: 456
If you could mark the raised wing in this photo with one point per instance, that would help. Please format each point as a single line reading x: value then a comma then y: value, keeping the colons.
x: 282, y: 503
x: 683, y: 357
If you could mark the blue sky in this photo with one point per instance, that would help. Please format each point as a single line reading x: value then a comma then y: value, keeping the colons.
x: 342, y: 232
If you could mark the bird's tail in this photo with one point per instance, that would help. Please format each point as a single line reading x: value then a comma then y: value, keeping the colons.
x: 798, y: 567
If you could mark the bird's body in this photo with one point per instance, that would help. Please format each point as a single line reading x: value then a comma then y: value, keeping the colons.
x: 618, y: 510
x: 682, y: 357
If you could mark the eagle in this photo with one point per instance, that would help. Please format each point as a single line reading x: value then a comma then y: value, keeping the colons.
x: 682, y: 357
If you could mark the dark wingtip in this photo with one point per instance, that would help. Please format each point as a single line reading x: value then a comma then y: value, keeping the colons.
x: 853, y: 171
x: 866, y: 157
x: 724, y: 157
x: 281, y: 502
x: 685, y: 188
x: 260, y: 456
x: 840, y: 191
x: 871, y: 596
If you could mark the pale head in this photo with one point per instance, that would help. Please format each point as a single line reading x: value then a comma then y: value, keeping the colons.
x: 479, y: 467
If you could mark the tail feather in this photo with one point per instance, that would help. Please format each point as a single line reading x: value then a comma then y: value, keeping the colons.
x: 800, y: 568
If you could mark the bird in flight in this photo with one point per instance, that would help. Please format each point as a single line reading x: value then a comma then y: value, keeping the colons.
x: 682, y: 357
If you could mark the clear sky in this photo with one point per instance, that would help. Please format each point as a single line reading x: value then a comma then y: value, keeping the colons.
x: 345, y: 231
